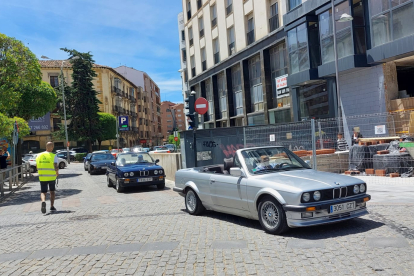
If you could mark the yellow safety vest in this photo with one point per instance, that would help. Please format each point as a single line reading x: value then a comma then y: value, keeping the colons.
x: 45, y: 167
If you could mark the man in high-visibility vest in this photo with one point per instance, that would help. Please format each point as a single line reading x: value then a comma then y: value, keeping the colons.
x: 47, y: 166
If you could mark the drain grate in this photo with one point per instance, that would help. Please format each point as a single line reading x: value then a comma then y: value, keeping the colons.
x: 84, y: 217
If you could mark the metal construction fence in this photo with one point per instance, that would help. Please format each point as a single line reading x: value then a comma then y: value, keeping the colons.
x: 11, y: 178
x: 377, y: 147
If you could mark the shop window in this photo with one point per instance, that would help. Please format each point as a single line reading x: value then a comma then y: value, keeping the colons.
x: 278, y: 67
x: 298, y: 49
x: 280, y: 116
x: 254, y: 120
x: 256, y: 89
x: 391, y: 20
x: 237, y: 90
x: 314, y: 101
x: 343, y: 34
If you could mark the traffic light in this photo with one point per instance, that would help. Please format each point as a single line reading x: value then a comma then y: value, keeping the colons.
x: 191, y: 115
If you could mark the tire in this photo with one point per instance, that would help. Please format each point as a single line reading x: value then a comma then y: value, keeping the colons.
x: 268, y: 209
x: 161, y: 186
x: 84, y: 167
x: 32, y: 169
x: 118, y: 187
x: 89, y: 171
x: 61, y: 165
x: 108, y: 181
x: 193, y: 203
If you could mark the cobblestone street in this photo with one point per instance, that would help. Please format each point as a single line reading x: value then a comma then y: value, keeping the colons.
x: 97, y: 231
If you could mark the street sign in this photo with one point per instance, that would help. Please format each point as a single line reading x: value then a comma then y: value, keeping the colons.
x: 123, y: 123
x: 201, y: 106
x: 176, y: 139
x: 142, y: 141
x: 281, y: 82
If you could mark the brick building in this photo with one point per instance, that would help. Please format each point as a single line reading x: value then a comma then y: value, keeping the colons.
x: 172, y: 117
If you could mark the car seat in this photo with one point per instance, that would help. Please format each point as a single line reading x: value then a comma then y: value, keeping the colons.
x: 123, y: 161
x: 228, y: 163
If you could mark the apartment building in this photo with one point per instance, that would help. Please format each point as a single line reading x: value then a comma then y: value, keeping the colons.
x: 149, y: 123
x: 272, y: 61
x: 172, y: 118
x: 118, y: 96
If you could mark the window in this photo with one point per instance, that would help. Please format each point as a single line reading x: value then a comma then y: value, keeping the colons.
x: 250, y: 30
x: 188, y: 10
x: 344, y: 43
x: 179, y: 115
x: 209, y: 95
x: 183, y: 35
x: 213, y: 16
x: 298, y: 49
x: 359, y: 28
x: 203, y: 59
x: 222, y: 93
x: 232, y: 46
x: 54, y: 81
x: 201, y: 26
x: 294, y: 3
x: 193, y: 70
x: 237, y: 90
x: 229, y: 6
x: 199, y: 4
x: 216, y: 49
x: 256, y: 90
x: 184, y: 54
x: 278, y: 67
x: 179, y: 110
x: 274, y: 17
x: 313, y: 101
x: 190, y: 36
x: 391, y: 20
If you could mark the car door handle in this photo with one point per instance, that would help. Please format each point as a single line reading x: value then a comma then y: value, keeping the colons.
x: 212, y: 181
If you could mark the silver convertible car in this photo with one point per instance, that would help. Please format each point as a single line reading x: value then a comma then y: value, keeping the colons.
x: 274, y: 186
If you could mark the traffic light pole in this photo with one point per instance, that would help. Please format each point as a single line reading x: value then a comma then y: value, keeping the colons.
x: 117, y: 134
x: 195, y: 138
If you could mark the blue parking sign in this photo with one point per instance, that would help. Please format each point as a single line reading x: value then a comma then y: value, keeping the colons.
x: 123, y: 123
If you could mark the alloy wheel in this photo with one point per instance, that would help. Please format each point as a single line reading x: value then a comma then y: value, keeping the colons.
x: 270, y: 215
x: 191, y: 201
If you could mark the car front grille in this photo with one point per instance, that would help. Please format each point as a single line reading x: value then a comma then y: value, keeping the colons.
x: 342, y: 215
x: 335, y: 193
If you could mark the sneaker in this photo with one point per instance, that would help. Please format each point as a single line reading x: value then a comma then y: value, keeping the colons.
x: 44, y: 207
x: 52, y: 209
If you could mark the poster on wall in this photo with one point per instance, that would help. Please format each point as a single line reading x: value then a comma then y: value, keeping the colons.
x: 42, y: 123
x: 5, y: 144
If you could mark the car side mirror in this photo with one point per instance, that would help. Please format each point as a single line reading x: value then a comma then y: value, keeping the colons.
x: 238, y: 172
x: 112, y: 163
x: 157, y: 160
x: 308, y: 162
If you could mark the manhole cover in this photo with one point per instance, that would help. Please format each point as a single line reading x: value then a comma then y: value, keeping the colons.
x: 85, y: 217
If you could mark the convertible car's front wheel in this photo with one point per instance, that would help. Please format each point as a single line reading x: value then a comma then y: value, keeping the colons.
x: 108, y: 181
x: 118, y: 187
x: 193, y: 203
x: 272, y: 217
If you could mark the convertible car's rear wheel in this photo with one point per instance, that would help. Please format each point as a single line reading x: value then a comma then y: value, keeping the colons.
x: 118, y: 187
x: 193, y: 203
x: 108, y: 181
x: 272, y: 217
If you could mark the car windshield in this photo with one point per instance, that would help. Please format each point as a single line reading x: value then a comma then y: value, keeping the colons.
x: 133, y: 158
x: 126, y: 149
x: 265, y: 160
x: 99, y: 157
x: 27, y: 157
x: 162, y: 148
x: 114, y: 150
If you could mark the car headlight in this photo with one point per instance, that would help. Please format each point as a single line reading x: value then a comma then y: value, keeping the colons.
x: 131, y: 174
x: 155, y: 172
x: 126, y: 174
x: 356, y: 189
x: 306, y: 197
x: 316, y: 195
x: 362, y: 188
x: 160, y: 171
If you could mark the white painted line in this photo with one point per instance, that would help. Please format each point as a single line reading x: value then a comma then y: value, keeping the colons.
x: 201, y: 105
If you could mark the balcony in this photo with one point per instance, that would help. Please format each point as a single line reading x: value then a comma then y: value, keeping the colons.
x: 274, y: 23
x: 202, y: 33
x: 118, y: 92
x: 132, y: 98
x: 250, y: 37
x: 213, y: 22
x: 216, y: 57
x: 113, y: 89
x: 123, y: 93
x: 204, y: 65
x: 229, y: 9
x: 231, y: 49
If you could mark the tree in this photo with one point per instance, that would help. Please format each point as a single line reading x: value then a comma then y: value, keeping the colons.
x: 7, y: 125
x: 172, y: 141
x: 18, y: 67
x: 107, y: 125
x: 81, y: 101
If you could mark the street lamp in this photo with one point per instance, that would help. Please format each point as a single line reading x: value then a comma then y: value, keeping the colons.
x: 64, y: 106
x: 344, y: 18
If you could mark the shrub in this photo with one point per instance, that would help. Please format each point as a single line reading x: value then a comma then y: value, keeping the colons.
x: 79, y: 156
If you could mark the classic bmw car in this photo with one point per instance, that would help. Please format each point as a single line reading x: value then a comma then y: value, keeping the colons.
x: 274, y: 186
x: 98, y: 162
x: 135, y: 169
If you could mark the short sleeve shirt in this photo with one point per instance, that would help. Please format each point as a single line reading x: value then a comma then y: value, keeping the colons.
x: 55, y: 160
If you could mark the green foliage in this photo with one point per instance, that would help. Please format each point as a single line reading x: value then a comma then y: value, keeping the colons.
x: 107, y: 125
x: 6, y: 127
x: 18, y: 68
x: 171, y: 139
x: 81, y: 99
x: 79, y: 156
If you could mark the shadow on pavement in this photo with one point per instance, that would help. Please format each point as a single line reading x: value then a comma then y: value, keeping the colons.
x: 144, y: 189
x: 68, y: 175
x: 60, y: 212
x: 24, y: 197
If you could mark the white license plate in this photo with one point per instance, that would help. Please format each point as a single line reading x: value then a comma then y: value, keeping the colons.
x: 342, y: 207
x: 144, y: 179
x: 103, y: 168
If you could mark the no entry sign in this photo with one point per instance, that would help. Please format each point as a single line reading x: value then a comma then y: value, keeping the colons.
x: 201, y: 106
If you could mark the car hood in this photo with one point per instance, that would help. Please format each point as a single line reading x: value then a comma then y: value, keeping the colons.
x: 140, y: 167
x: 102, y: 162
x: 307, y: 180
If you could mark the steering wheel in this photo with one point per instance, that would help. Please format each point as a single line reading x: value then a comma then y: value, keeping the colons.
x: 281, y: 164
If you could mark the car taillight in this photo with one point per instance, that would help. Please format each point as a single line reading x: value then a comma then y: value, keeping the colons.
x: 32, y: 160
x: 168, y: 151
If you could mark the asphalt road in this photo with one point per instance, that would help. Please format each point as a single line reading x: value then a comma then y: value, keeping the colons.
x: 144, y: 231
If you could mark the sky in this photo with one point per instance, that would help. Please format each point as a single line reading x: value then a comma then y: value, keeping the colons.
x: 142, y: 34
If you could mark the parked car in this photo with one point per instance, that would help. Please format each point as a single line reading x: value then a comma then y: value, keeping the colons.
x: 31, y: 158
x: 80, y: 150
x: 137, y: 149
x: 115, y: 152
x: 101, y: 151
x: 135, y: 169
x: 274, y: 186
x: 99, y: 162
x: 171, y: 147
x: 86, y: 160
x: 160, y: 150
x: 63, y: 155
x: 145, y: 149
x: 126, y: 149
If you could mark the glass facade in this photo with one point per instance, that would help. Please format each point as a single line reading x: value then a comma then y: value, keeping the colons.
x: 391, y: 20
x: 278, y: 66
x: 209, y: 96
x: 298, y: 49
x: 255, y: 81
x: 254, y: 120
x: 280, y: 116
x: 222, y: 94
x: 314, y: 101
x: 343, y: 34
x: 237, y: 90
x: 294, y: 3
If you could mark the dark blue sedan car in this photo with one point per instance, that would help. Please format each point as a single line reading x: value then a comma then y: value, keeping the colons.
x: 135, y: 169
